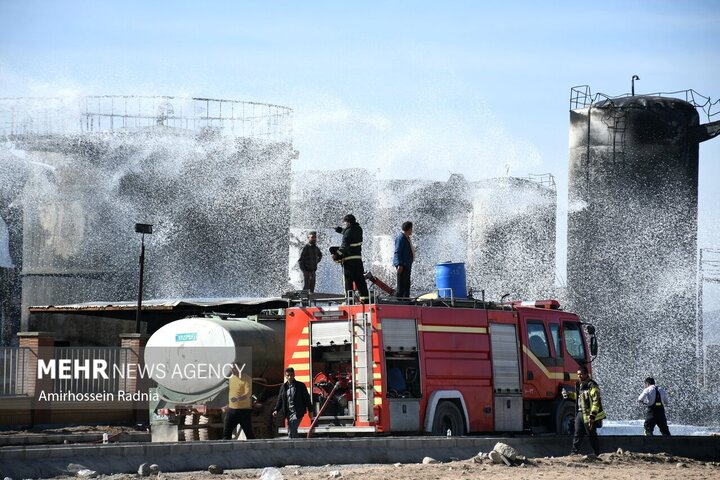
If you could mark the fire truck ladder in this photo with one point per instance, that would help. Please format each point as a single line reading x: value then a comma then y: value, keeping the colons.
x: 364, y: 394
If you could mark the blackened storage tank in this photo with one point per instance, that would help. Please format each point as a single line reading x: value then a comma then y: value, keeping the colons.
x: 632, y: 240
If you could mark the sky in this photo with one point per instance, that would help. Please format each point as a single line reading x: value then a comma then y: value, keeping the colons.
x: 409, y: 89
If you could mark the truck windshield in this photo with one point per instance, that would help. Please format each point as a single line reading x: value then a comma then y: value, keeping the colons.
x: 574, y: 341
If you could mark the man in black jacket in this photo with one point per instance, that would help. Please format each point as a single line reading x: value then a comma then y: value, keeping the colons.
x: 294, y: 401
x: 310, y: 256
x: 350, y: 254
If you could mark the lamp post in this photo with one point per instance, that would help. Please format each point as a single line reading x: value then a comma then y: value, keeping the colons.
x: 708, y: 271
x: 634, y: 77
x: 142, y: 228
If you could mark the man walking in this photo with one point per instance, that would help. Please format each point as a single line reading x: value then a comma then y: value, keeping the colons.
x: 589, y: 410
x: 654, y: 398
x: 294, y: 401
x: 238, y: 410
x: 403, y: 259
x: 310, y: 256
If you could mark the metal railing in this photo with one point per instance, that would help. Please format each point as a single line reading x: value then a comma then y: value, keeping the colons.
x: 13, y: 370
x: 581, y: 97
x: 544, y: 179
x: 116, y: 359
x: 113, y: 113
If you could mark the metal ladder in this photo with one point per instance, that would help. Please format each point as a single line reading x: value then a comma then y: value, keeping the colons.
x: 364, y: 394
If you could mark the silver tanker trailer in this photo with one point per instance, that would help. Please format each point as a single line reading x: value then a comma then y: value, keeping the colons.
x: 190, y: 360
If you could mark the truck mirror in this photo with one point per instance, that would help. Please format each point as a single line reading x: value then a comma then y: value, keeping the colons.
x: 593, y: 345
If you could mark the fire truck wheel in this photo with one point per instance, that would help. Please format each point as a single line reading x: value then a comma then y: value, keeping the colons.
x: 565, y: 419
x: 448, y: 417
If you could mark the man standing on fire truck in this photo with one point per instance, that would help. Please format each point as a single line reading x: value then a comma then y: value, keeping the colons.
x: 590, y: 410
x: 350, y: 254
x: 310, y: 256
x: 403, y: 259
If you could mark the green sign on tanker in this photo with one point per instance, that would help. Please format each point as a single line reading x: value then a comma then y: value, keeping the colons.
x: 185, y: 337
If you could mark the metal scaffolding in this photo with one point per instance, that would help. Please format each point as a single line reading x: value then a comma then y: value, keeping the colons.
x: 113, y: 113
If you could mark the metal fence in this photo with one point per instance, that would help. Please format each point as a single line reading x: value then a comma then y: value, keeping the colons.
x: 112, y: 113
x: 581, y: 96
x: 115, y: 360
x: 13, y: 370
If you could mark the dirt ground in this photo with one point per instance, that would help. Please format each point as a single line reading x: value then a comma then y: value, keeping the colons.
x: 621, y: 466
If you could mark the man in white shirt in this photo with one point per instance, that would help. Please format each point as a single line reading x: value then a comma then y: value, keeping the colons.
x: 655, y: 398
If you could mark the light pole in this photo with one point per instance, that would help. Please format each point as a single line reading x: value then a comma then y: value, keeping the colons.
x: 634, y: 77
x: 141, y: 228
x: 708, y: 271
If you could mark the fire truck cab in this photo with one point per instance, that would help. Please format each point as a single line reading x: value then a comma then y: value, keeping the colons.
x: 433, y: 367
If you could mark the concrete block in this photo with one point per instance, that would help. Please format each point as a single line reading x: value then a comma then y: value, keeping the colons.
x: 397, y: 443
x: 368, y: 442
x: 222, y: 447
x: 199, y: 447
x: 309, y: 444
x: 465, y: 442
x: 432, y: 443
x: 10, y: 454
x: 259, y: 445
x: 130, y: 451
x: 64, y: 451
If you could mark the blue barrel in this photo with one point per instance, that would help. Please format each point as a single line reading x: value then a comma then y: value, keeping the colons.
x: 451, y: 275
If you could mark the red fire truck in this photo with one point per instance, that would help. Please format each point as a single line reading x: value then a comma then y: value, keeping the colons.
x: 438, y: 366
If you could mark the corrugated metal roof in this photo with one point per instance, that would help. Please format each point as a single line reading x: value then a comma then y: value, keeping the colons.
x: 163, y: 304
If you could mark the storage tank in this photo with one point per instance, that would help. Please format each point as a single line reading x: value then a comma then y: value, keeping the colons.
x: 211, y: 175
x: 503, y: 229
x: 14, y: 172
x: 439, y: 211
x: 632, y: 241
x: 511, y: 237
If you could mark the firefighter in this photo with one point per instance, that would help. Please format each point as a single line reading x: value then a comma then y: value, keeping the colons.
x: 350, y: 255
x: 655, y: 398
x: 590, y: 411
x: 403, y: 259
x: 310, y: 256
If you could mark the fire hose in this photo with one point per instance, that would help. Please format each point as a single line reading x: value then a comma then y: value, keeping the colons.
x: 322, y: 409
x: 380, y: 284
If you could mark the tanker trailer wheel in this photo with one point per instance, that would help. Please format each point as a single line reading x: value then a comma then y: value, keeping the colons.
x: 191, y: 435
x: 565, y: 418
x: 263, y: 423
x: 448, y: 417
x: 209, y: 433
